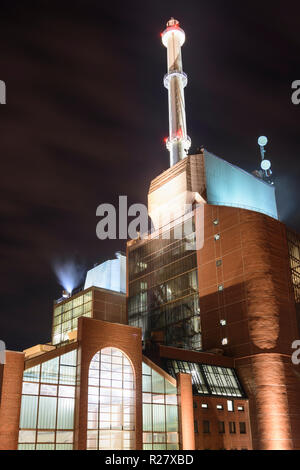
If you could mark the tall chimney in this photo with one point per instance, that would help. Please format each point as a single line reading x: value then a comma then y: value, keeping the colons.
x: 175, y: 81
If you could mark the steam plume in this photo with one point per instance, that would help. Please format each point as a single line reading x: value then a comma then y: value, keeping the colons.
x: 69, y: 273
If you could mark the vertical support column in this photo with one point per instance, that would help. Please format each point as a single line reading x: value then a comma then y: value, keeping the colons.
x: 274, y: 410
x: 186, y: 411
x: 10, y: 405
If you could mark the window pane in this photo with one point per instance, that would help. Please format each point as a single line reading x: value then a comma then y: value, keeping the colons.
x: 32, y: 374
x: 69, y: 359
x: 172, y: 437
x: 30, y: 388
x: 64, y: 447
x: 47, y: 413
x: 63, y: 437
x: 48, y: 390
x: 171, y: 399
x: 159, y: 437
x: 26, y: 436
x: 66, y: 391
x: 45, y: 447
x: 158, y: 417
x: 45, y: 436
x: 28, y: 411
x: 172, y: 417
x: 50, y: 371
x: 146, y: 383
x: 65, y: 413
x: 158, y: 385
x: 146, y: 369
x: 67, y: 375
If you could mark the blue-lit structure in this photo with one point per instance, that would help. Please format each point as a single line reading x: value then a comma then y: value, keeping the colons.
x: 229, y: 185
x: 109, y: 275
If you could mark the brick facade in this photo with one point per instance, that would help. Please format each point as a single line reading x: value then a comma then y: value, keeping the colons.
x: 11, y: 400
x: 251, y: 290
x: 93, y: 335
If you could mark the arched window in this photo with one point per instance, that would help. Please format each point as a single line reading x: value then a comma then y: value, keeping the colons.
x: 111, y: 402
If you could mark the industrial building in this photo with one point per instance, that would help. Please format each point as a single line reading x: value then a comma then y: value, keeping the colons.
x: 186, y: 342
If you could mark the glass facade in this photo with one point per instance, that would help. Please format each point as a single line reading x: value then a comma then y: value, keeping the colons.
x: 160, y: 412
x: 111, y: 402
x: 163, y: 288
x: 47, y: 407
x: 66, y: 315
x: 206, y: 379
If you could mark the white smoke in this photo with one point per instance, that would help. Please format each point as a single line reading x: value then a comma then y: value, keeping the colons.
x: 69, y: 273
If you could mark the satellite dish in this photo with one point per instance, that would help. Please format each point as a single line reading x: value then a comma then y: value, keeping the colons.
x: 262, y: 141
x: 265, y: 165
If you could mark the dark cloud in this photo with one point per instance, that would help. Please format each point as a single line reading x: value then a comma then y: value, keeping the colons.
x: 86, y: 115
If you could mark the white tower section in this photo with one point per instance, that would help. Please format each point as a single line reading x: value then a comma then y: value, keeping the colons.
x: 175, y: 81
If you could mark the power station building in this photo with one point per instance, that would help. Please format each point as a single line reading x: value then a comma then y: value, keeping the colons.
x: 186, y: 342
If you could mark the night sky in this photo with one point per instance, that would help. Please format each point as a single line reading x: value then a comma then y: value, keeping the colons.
x: 86, y: 116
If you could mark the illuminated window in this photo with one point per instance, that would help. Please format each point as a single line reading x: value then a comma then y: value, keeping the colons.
x: 47, y: 408
x: 206, y: 379
x: 160, y: 412
x: 111, y: 402
x: 163, y: 288
x: 67, y: 313
x: 230, y: 406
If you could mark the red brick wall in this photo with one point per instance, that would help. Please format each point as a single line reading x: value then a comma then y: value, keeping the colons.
x: 94, y: 335
x: 273, y: 388
x: 186, y: 415
x: 11, y: 400
x: 214, y: 440
x: 258, y: 305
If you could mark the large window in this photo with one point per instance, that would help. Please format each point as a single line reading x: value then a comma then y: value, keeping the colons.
x: 163, y: 288
x: 111, y: 402
x: 160, y: 412
x: 47, y: 407
x: 67, y: 313
x: 206, y: 379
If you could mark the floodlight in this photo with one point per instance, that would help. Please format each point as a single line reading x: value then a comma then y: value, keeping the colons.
x: 262, y: 141
x: 265, y: 165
